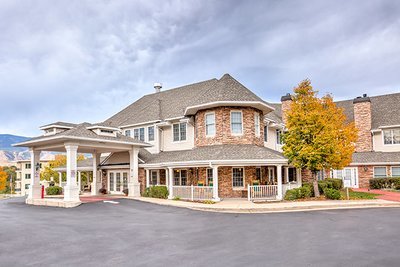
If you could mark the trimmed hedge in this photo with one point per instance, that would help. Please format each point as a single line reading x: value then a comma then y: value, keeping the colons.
x: 380, y: 183
x: 54, y: 190
x: 156, y: 192
x: 297, y: 193
x: 332, y: 193
x: 330, y: 183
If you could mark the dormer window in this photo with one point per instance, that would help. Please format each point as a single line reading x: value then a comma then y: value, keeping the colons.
x: 391, y: 136
x: 138, y: 133
x: 50, y: 131
x: 106, y: 131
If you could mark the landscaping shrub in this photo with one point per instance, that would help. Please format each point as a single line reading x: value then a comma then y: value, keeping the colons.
x: 156, y: 192
x: 385, y: 183
x: 335, y: 183
x: 332, y: 193
x: 297, y: 193
x: 102, y: 191
x: 54, y: 190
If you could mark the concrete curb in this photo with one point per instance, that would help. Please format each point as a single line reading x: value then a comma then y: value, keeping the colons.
x: 188, y: 205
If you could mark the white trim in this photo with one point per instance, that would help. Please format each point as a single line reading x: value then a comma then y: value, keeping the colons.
x: 230, y: 122
x: 239, y: 162
x: 103, y: 127
x: 186, y: 132
x: 55, y: 126
x: 390, y: 126
x: 260, y: 105
x: 138, y: 124
x: 373, y: 163
x: 79, y: 138
x: 175, y: 118
x: 244, y: 178
x: 205, y: 124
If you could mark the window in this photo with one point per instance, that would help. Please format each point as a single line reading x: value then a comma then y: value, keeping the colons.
x: 111, y: 181
x: 237, y: 177
x: 153, y: 177
x: 27, y: 176
x: 396, y: 171
x: 320, y: 175
x: 236, y: 122
x: 257, y: 124
x: 209, y: 176
x: 118, y: 181
x: 210, y: 124
x: 279, y: 137
x: 128, y: 132
x: 180, y: 177
x: 28, y: 165
x: 258, y: 174
x: 150, y: 132
x: 391, y: 136
x: 27, y: 186
x: 179, y: 131
x: 106, y: 131
x: 379, y: 172
x: 265, y: 133
x: 292, y: 175
x: 125, y: 180
x: 138, y: 133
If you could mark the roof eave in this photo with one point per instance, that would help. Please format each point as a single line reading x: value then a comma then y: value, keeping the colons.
x: 192, y: 110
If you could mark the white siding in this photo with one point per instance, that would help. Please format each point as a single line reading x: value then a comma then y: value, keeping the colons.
x: 168, y: 143
x: 379, y: 146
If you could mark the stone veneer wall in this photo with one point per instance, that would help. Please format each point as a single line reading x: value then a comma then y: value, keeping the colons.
x: 285, y: 107
x: 362, y: 120
x: 223, y: 128
x: 225, y: 189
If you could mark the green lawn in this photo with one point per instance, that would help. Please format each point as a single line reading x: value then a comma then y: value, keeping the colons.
x: 358, y: 195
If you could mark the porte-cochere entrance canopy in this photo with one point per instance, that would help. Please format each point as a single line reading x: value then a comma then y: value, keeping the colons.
x: 81, y: 138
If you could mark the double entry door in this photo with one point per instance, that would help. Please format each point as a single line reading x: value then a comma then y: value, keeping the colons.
x: 117, y: 181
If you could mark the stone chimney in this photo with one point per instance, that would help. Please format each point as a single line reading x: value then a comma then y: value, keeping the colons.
x: 286, y: 101
x: 362, y: 120
x: 157, y: 87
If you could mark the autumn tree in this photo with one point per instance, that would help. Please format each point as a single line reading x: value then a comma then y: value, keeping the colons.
x: 59, y: 161
x: 317, y: 135
x: 3, y: 180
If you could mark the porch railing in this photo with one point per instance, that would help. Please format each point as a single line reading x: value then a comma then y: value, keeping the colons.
x: 192, y: 192
x: 262, y: 192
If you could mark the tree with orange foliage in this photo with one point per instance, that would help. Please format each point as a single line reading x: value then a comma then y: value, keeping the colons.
x: 3, y: 180
x: 318, y: 136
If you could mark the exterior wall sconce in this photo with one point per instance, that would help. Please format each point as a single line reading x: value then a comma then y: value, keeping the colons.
x: 365, y: 168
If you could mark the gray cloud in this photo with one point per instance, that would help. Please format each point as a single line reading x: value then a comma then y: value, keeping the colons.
x: 85, y: 60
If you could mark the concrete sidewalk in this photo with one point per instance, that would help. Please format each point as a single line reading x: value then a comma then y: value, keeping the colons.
x: 244, y: 206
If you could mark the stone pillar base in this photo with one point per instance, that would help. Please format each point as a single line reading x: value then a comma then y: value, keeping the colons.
x: 35, y: 191
x: 71, y: 193
x: 134, y: 189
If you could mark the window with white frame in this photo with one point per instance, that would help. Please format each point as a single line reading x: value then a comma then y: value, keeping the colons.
x: 396, y: 171
x: 150, y: 133
x: 138, y: 133
x: 210, y: 124
x: 153, y: 177
x: 128, y: 132
x: 209, y: 176
x: 27, y: 176
x: 380, y: 172
x: 237, y: 177
x: 279, y: 137
x: 180, y: 177
x: 266, y: 133
x: 391, y: 136
x: 179, y: 131
x: 236, y: 122
x: 257, y: 124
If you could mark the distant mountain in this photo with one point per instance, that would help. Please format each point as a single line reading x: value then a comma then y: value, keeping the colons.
x: 6, y: 141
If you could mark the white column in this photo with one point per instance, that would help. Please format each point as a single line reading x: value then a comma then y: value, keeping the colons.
x: 279, y: 179
x: 96, y: 183
x: 147, y: 178
x: 133, y: 184
x: 35, y: 188
x: 215, y: 183
x: 60, y: 178
x: 170, y: 183
x: 71, y: 190
x: 79, y: 180
x: 286, y: 174
x: 166, y: 178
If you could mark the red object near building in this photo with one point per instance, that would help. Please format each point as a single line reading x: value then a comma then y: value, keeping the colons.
x: 42, y: 191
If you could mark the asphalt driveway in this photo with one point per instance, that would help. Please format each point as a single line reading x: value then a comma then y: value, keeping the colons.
x: 134, y: 233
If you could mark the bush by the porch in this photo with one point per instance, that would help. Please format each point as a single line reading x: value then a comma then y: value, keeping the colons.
x: 298, y: 193
x: 156, y: 192
x: 54, y: 190
x: 331, y: 193
x: 385, y: 183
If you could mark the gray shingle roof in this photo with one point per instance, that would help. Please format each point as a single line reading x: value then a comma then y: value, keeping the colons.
x: 275, y: 115
x: 377, y: 157
x: 172, y: 103
x: 216, y: 152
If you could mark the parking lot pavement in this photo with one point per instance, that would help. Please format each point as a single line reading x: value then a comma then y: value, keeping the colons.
x: 133, y: 233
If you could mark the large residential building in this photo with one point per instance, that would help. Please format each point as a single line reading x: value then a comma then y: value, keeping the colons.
x: 24, y: 172
x: 210, y: 140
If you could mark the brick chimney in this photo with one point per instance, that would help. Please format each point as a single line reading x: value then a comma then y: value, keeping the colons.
x: 362, y: 120
x: 286, y: 101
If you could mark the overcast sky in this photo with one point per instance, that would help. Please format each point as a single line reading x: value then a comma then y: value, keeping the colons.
x: 81, y: 61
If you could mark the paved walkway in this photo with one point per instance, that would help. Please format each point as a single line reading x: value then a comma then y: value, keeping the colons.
x: 244, y: 206
x: 383, y: 194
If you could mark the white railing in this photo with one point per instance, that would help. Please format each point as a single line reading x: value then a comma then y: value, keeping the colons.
x: 262, y: 192
x: 192, y: 192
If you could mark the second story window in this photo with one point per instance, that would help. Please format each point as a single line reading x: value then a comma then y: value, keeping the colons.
x: 27, y: 165
x: 257, y: 124
x: 128, y: 132
x: 179, y: 131
x: 138, y: 133
x: 27, y: 176
x: 391, y: 136
x: 266, y: 133
x: 150, y: 133
x: 279, y: 137
x: 210, y: 124
x: 236, y: 122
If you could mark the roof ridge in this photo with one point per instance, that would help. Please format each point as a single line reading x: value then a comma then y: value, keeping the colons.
x: 180, y: 87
